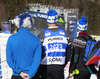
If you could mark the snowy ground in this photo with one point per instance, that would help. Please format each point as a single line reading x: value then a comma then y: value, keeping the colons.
x: 66, y: 75
x: 67, y: 69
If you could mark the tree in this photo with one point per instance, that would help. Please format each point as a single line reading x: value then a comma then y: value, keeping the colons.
x: 88, y: 8
x: 93, y: 16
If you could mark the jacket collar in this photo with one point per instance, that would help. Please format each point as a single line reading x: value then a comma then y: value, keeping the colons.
x: 83, y: 34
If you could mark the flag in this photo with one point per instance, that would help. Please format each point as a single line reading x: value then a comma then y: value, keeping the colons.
x: 94, y: 57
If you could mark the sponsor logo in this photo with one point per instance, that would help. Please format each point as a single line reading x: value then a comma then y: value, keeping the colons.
x: 55, y: 59
x: 34, y: 15
x: 47, y: 34
x: 56, y: 38
x: 61, y: 20
x: 62, y: 33
x: 42, y: 16
x: 72, y: 16
x: 70, y: 22
x: 72, y: 25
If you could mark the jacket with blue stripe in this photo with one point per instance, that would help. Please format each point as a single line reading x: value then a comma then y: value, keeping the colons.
x: 51, y: 55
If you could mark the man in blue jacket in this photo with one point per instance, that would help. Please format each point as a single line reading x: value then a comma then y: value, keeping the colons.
x: 23, y: 51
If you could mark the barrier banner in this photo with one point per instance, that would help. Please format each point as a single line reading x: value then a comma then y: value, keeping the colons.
x: 5, y: 72
x: 72, y: 18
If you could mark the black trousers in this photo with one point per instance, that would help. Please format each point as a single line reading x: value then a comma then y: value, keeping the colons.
x: 52, y: 75
x: 99, y: 73
x: 83, y: 75
x: 16, y: 77
x: 53, y: 72
x: 19, y: 77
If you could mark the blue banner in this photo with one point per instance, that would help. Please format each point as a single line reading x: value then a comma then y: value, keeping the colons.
x: 72, y: 25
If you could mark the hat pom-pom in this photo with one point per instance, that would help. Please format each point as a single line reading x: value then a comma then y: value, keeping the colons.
x: 83, y: 19
x: 23, y: 20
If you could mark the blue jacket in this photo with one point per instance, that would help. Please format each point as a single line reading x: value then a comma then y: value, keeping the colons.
x: 23, y: 52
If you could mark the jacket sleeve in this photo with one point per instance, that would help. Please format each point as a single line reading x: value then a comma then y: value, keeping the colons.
x: 68, y: 50
x: 9, y: 58
x: 74, y: 59
x: 36, y: 61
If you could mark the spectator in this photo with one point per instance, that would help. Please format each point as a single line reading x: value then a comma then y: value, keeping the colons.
x: 23, y: 51
x: 56, y: 49
x: 79, y: 50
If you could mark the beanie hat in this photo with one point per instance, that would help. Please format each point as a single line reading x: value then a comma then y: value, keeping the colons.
x: 52, y: 16
x: 82, y: 24
x: 23, y: 20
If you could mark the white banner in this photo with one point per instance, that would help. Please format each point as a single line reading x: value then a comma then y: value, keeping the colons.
x: 6, y: 71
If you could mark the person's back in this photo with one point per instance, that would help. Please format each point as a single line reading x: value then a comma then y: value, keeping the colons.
x: 23, y: 44
x: 79, y: 45
x: 79, y: 50
x: 23, y: 52
x: 55, y: 44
